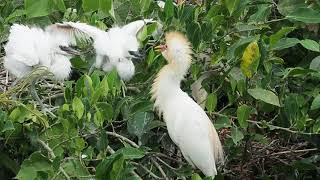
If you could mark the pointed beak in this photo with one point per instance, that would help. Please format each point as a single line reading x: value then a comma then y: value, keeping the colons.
x: 69, y: 50
x: 160, y: 48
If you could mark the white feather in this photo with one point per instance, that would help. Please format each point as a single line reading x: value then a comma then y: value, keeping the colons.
x: 188, y: 125
x: 29, y: 47
x: 112, y: 47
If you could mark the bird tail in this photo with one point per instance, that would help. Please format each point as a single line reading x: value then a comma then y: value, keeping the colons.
x: 217, y: 147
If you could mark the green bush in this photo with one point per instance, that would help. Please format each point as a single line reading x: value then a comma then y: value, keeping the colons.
x: 255, y: 71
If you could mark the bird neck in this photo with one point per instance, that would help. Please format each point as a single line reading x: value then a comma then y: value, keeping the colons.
x: 167, y: 84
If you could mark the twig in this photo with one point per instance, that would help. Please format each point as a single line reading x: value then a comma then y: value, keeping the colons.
x: 159, y: 168
x: 167, y: 157
x: 50, y: 151
x: 146, y: 169
x: 123, y: 138
x: 293, y: 151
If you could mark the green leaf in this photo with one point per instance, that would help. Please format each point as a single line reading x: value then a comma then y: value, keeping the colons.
x: 111, y: 167
x: 240, y: 43
x: 78, y: 107
x: 231, y: 5
x: 316, y: 126
x: 143, y: 34
x: 106, y: 6
x: 196, y: 176
x: 310, y: 44
x: 315, y: 64
x: 211, y: 102
x: 90, y: 5
x: 60, y: 5
x: 106, y: 109
x: 75, y: 167
x: 262, y: 13
x: 8, y: 163
x: 102, y: 142
x: 265, y: 96
x: 315, y: 103
x: 131, y: 153
x: 8, y: 126
x: 19, y: 114
x: 38, y: 8
x: 34, y: 164
x: 306, y: 15
x: 285, y: 43
x: 274, y: 38
x: 151, y: 57
x: 139, y: 123
x: 243, y: 114
x: 102, y: 90
x: 145, y: 4
x: 222, y: 122
x: 236, y: 135
x: 169, y: 9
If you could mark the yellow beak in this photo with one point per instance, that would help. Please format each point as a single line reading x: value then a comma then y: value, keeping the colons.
x: 158, y: 48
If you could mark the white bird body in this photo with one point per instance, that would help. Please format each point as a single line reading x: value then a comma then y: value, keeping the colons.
x: 29, y: 47
x: 188, y: 125
x: 113, y: 47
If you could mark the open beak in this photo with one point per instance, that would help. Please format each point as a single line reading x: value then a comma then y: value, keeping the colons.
x: 160, y: 48
x: 69, y: 50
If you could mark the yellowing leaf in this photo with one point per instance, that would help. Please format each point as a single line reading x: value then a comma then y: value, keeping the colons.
x: 250, y: 59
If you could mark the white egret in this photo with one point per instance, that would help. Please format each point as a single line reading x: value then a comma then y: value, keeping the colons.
x: 31, y: 47
x: 188, y: 125
x: 114, y: 48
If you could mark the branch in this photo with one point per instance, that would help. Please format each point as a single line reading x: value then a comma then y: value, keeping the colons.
x: 50, y: 151
x: 293, y: 151
x: 160, y: 168
x: 123, y: 138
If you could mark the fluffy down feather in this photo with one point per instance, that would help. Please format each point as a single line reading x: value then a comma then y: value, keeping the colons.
x: 112, y: 47
x: 29, y: 47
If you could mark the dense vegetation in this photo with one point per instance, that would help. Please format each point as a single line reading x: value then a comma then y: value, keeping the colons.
x: 255, y: 71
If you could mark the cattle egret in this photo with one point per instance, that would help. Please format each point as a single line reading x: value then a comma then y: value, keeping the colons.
x: 31, y: 47
x: 114, y: 48
x: 188, y: 125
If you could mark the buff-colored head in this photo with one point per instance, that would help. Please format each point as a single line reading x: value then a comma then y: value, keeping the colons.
x: 176, y: 49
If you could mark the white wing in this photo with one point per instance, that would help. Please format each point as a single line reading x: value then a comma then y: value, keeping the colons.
x: 75, y: 29
x: 134, y: 27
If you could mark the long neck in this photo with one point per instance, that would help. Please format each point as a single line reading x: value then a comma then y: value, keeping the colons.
x: 167, y: 84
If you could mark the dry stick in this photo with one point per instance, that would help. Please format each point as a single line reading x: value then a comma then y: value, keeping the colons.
x: 137, y: 146
x: 160, y: 168
x: 146, y: 169
x: 50, y: 151
x: 293, y: 151
x: 257, y: 123
x: 123, y: 138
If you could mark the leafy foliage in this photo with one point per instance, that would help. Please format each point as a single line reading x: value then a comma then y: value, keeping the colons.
x: 258, y: 62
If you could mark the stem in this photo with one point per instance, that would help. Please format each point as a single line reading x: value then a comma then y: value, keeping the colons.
x: 50, y: 151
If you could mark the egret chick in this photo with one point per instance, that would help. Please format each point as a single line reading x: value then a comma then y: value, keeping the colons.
x: 31, y: 47
x: 188, y: 125
x: 114, y: 48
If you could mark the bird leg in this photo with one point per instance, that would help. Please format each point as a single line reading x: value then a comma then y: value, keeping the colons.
x: 123, y: 88
x: 35, y: 96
